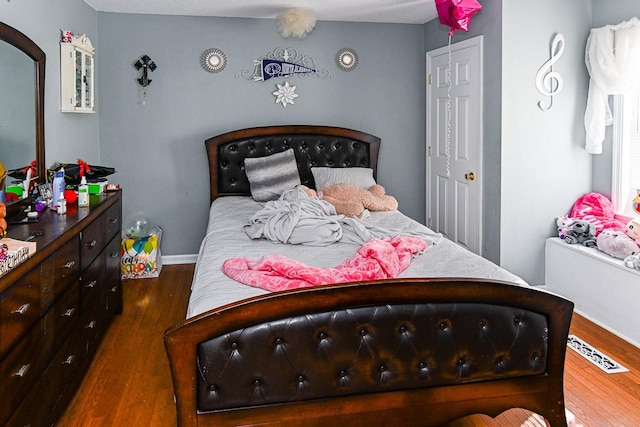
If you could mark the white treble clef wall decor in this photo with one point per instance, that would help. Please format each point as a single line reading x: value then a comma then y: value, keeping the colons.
x: 549, y: 82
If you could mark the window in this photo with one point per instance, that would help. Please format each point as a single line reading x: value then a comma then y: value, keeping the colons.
x: 626, y: 153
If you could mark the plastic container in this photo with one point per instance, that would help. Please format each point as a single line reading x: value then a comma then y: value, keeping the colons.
x: 83, y: 193
x: 62, y: 204
x: 58, y: 186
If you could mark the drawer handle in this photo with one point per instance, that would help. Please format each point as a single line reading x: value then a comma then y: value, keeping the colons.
x: 23, y: 309
x: 91, y: 325
x: 22, y: 371
x: 92, y: 284
x: 69, y: 312
x: 115, y: 254
x: 114, y: 220
x: 92, y: 244
x: 70, y: 264
x: 114, y: 289
x: 69, y: 360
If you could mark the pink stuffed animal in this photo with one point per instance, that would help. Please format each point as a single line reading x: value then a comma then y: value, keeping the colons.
x: 351, y: 200
x: 616, y: 244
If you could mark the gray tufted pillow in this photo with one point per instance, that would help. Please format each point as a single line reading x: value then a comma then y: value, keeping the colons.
x: 272, y: 175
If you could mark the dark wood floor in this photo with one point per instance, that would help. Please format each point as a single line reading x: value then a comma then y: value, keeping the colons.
x: 129, y: 383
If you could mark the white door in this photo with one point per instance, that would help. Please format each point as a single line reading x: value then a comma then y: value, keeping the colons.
x: 454, y: 142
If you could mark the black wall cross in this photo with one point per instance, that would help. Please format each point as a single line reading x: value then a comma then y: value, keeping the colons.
x: 146, y: 64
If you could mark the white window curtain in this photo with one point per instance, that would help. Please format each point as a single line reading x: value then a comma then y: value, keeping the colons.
x: 612, y: 56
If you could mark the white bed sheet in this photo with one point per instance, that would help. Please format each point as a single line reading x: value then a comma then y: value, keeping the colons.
x: 225, y: 239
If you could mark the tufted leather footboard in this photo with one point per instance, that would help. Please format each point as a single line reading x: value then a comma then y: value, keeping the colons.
x: 419, y: 351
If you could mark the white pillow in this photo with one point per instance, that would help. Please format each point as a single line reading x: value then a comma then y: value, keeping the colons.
x: 272, y: 175
x: 326, y: 177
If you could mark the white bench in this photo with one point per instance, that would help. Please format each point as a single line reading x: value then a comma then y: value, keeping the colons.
x: 601, y: 287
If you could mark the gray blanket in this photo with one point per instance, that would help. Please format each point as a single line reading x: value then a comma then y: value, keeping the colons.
x: 298, y: 219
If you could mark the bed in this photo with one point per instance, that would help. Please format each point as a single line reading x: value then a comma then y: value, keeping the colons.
x: 450, y: 335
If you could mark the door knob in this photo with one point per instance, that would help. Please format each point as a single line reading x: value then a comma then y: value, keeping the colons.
x: 470, y: 176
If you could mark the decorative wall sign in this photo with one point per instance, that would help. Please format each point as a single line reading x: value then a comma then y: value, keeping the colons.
x: 285, y: 94
x: 283, y: 62
x: 347, y: 59
x: 213, y: 60
x: 549, y: 82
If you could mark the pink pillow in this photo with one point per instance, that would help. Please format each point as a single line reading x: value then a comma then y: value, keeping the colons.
x: 597, y: 210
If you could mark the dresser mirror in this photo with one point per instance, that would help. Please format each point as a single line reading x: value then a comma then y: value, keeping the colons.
x: 22, y: 71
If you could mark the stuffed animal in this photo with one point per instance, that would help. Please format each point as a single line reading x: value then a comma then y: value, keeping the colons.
x: 616, y: 244
x: 564, y: 225
x: 632, y: 261
x: 633, y: 230
x: 352, y: 201
x: 581, y: 232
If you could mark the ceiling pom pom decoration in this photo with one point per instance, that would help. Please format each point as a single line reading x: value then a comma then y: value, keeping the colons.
x: 296, y: 23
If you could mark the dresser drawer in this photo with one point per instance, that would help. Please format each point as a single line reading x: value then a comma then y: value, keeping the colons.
x: 92, y: 241
x: 113, y: 220
x: 93, y: 319
x: 112, y: 256
x: 19, y: 371
x: 61, y: 319
x: 66, y: 266
x: 19, y: 310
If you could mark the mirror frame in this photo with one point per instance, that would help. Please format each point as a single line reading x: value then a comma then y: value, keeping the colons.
x: 26, y: 45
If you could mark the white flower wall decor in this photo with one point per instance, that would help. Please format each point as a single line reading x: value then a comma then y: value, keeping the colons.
x: 285, y: 94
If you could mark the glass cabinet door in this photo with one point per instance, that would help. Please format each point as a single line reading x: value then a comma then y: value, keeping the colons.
x: 77, y: 65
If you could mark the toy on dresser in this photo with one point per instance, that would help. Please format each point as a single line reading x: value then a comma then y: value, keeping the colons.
x: 3, y: 221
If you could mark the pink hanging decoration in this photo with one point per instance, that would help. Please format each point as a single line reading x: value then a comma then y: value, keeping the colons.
x: 457, y: 13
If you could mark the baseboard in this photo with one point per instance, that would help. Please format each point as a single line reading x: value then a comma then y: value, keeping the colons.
x: 607, y: 328
x: 179, y: 259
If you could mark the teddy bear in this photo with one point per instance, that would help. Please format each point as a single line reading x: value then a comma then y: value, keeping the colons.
x: 616, y: 244
x: 350, y: 200
x: 633, y: 230
x: 581, y: 232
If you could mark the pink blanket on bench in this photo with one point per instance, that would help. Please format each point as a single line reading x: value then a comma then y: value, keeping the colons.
x: 377, y: 259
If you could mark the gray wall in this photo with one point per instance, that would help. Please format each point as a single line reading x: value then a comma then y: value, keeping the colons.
x: 605, y: 14
x: 544, y: 165
x: 158, y: 148
x: 487, y: 22
x: 67, y: 136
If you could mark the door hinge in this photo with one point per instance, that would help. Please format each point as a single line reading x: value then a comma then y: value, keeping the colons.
x: 429, y: 223
x: 429, y: 79
x: 429, y: 151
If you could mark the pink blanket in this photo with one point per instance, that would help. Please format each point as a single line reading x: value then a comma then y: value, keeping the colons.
x: 377, y: 259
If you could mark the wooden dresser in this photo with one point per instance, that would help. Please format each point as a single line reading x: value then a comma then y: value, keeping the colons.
x: 56, y: 306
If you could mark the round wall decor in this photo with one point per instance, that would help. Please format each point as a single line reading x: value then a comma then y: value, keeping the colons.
x: 213, y: 60
x: 347, y: 59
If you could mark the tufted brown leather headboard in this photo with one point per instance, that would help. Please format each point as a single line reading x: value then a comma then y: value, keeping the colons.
x: 313, y: 146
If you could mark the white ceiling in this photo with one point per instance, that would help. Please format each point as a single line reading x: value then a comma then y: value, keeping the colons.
x: 391, y: 11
